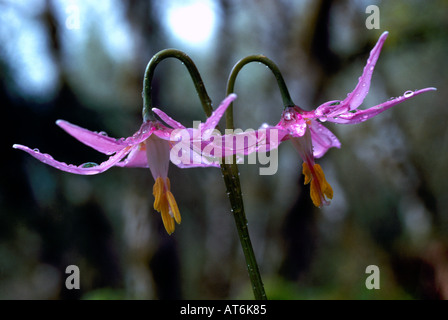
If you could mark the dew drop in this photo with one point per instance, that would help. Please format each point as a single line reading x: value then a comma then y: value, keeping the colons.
x: 408, y: 94
x: 36, y: 150
x: 288, y: 116
x: 103, y: 133
x: 89, y: 165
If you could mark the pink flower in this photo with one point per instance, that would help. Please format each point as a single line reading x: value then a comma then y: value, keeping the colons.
x: 312, y: 139
x: 149, y: 148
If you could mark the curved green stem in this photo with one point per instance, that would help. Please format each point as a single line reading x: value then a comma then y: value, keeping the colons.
x: 286, y: 97
x: 232, y: 181
x: 194, y: 73
x: 231, y: 174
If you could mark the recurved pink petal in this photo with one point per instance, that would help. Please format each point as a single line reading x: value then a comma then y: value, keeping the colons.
x: 323, y: 139
x: 97, y: 141
x: 363, y: 115
x: 145, y: 131
x: 165, y: 133
x: 167, y: 119
x: 326, y: 109
x: 355, y: 98
x: 136, y: 159
x: 212, y: 121
x: 88, y: 168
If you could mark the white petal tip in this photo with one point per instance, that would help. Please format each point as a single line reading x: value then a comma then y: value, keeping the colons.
x: 231, y: 97
x: 60, y: 122
x: 384, y: 35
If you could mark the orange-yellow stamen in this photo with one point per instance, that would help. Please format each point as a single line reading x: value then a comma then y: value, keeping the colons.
x: 165, y: 203
x: 320, y: 189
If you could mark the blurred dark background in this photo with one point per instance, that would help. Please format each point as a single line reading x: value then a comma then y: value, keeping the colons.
x: 83, y: 61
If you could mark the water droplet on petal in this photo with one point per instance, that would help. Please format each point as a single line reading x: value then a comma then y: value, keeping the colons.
x: 288, y: 116
x: 408, y: 94
x: 89, y: 165
x: 103, y: 133
x: 36, y: 150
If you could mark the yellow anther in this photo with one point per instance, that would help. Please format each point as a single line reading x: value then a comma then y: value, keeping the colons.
x: 165, y: 203
x: 327, y: 190
x: 320, y: 189
x: 168, y: 221
x: 157, y: 191
x: 173, y: 205
x: 306, y: 172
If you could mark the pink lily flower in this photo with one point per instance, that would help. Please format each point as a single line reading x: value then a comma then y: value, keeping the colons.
x: 312, y: 140
x: 149, y: 148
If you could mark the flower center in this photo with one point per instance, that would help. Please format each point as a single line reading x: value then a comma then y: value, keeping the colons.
x: 320, y: 189
x: 165, y: 203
